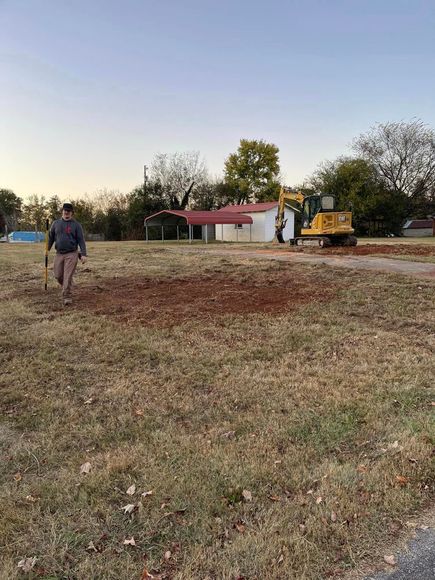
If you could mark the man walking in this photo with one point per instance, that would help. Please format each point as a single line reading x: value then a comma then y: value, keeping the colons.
x: 67, y: 235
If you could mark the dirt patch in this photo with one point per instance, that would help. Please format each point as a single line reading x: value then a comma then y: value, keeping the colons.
x: 168, y: 302
x: 374, y: 249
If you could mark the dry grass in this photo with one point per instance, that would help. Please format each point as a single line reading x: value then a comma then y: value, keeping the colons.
x: 322, y: 412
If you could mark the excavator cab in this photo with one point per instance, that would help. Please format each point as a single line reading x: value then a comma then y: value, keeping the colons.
x: 314, y: 204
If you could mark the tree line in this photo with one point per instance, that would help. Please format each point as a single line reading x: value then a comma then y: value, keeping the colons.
x: 389, y: 176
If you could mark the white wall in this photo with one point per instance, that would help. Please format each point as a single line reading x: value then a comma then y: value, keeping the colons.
x: 263, y: 228
x: 417, y: 232
x: 231, y: 234
x: 208, y: 232
x: 289, y: 230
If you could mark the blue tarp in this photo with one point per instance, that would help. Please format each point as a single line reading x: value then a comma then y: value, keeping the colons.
x: 26, y: 237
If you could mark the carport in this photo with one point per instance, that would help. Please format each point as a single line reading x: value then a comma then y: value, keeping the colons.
x: 172, y: 217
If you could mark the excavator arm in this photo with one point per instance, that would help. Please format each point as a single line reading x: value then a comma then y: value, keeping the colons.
x: 285, y: 194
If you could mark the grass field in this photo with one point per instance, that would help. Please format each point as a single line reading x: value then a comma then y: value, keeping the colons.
x: 281, y: 414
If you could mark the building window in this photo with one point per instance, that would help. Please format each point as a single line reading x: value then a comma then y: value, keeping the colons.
x: 238, y: 227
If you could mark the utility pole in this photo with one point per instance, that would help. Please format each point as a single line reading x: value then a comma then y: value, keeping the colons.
x: 145, y: 179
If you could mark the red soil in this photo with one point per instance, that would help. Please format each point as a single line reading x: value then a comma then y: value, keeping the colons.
x: 172, y: 301
x: 375, y: 249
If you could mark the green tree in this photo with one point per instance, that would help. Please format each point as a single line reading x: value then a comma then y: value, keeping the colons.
x: 114, y: 225
x: 99, y: 225
x: 115, y: 207
x: 141, y: 203
x: 356, y: 184
x: 34, y: 214
x: 10, y: 209
x: 84, y: 211
x: 253, y: 171
x: 212, y: 195
x: 54, y: 208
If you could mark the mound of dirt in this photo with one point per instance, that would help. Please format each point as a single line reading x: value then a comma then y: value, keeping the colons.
x: 169, y: 302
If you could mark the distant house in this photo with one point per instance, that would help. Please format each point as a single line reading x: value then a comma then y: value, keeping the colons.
x: 263, y: 223
x: 419, y: 228
x: 26, y: 237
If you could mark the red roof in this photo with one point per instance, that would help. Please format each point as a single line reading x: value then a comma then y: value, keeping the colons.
x: 202, y: 218
x: 417, y: 224
x: 250, y: 207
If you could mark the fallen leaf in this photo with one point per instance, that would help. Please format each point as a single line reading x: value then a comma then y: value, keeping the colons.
x: 31, y: 499
x: 167, y: 555
x: 302, y: 527
x: 147, y: 493
x: 281, y: 559
x: 247, y: 495
x: 319, y: 500
x: 395, y: 526
x: 129, y: 508
x: 146, y: 575
x: 229, y: 434
x: 89, y: 401
x: 401, y: 480
x: 131, y: 490
x: 361, y: 468
x: 240, y: 528
x: 310, y: 491
x: 18, y: 477
x: 85, y: 468
x: 391, y: 560
x: 26, y: 564
x: 138, y: 412
x: 333, y: 517
x: 129, y: 542
x: 91, y: 546
x: 274, y: 498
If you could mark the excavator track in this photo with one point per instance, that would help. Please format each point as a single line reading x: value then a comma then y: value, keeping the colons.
x: 317, y: 242
x: 324, y: 241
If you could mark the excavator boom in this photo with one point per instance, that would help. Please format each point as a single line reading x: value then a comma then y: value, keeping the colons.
x: 285, y: 194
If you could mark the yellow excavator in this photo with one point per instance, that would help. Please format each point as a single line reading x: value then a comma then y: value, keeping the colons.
x: 322, y: 225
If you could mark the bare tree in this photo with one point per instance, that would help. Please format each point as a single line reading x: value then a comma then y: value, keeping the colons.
x: 403, y: 154
x: 175, y: 173
x: 105, y: 199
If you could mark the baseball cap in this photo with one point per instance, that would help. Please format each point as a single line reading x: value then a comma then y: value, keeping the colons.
x: 68, y: 207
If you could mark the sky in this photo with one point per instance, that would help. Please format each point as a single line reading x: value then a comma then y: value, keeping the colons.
x: 91, y: 90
